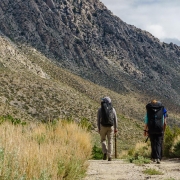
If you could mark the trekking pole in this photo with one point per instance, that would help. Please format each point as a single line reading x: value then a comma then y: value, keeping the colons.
x: 146, y: 139
x: 115, y: 146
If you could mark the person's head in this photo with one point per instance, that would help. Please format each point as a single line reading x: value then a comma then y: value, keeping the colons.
x: 154, y: 101
x: 106, y: 99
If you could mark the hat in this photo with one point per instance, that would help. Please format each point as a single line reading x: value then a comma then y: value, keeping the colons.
x: 106, y: 99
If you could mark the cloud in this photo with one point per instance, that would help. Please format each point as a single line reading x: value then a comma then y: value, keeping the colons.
x: 159, y: 17
x: 157, y: 31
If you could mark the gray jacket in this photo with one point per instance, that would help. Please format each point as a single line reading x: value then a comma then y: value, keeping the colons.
x: 99, y: 117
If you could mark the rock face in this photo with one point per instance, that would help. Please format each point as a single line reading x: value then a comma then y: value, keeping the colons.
x: 86, y: 38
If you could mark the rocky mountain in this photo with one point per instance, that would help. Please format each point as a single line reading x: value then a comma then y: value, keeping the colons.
x: 85, y: 38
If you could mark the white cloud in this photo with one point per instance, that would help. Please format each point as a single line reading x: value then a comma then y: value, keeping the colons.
x: 159, y: 17
x: 157, y: 31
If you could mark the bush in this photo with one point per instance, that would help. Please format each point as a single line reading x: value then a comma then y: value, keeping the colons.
x: 169, y: 140
x: 97, y: 153
x: 141, y: 149
x: 176, y: 149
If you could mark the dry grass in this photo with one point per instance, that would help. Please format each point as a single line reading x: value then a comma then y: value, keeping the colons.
x: 140, y: 149
x: 42, y: 151
x: 176, y: 140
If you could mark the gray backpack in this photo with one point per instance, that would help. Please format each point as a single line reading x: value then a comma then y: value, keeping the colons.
x: 107, y: 114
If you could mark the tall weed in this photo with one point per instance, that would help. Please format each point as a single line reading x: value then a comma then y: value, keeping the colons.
x: 43, y: 151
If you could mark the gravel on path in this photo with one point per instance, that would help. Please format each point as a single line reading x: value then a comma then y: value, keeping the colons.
x: 122, y: 170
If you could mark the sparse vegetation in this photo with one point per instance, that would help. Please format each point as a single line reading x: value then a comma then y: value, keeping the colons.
x: 141, y: 152
x: 139, y: 160
x: 151, y: 171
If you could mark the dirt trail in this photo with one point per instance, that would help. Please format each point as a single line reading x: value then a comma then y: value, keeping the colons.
x: 121, y: 170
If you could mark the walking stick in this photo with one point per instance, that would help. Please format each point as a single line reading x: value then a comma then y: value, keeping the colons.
x: 115, y: 146
x: 146, y: 139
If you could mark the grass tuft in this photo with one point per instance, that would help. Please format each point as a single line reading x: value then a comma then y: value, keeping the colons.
x: 152, y: 172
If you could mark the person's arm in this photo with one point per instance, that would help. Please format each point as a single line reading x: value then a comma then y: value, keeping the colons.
x: 115, y: 121
x: 165, y: 123
x: 145, y: 126
x: 165, y: 116
x: 98, y: 119
x: 145, y: 130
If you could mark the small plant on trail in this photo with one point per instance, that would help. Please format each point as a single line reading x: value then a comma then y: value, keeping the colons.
x: 139, y: 160
x: 152, y: 172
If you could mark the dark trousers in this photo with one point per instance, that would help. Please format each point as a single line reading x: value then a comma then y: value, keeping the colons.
x: 156, y: 146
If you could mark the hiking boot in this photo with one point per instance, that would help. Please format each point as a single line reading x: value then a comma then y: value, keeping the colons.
x: 109, y: 159
x: 153, y: 160
x: 104, y: 156
x: 158, y: 161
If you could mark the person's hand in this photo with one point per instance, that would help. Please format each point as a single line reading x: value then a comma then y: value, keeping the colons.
x: 145, y: 133
x: 115, y: 131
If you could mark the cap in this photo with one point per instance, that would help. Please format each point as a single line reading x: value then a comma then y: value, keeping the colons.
x: 106, y: 99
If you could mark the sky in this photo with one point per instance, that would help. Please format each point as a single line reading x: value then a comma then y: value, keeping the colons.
x: 159, y: 17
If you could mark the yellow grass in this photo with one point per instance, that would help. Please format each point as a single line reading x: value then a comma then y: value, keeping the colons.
x: 44, y: 151
x: 176, y: 140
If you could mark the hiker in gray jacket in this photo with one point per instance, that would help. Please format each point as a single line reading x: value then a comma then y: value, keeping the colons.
x: 107, y: 126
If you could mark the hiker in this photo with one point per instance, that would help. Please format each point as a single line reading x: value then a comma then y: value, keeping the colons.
x: 155, y: 124
x: 107, y: 126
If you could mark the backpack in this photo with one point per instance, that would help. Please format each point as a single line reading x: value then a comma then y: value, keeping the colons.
x: 155, y: 118
x: 107, y: 114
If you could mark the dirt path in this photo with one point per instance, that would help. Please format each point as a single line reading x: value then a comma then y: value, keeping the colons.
x: 121, y: 170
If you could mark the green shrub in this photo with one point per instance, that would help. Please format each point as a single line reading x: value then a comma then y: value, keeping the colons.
x: 97, y: 153
x: 168, y: 141
x: 170, y: 135
x: 176, y: 150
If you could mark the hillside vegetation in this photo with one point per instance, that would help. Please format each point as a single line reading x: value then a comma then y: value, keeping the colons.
x: 35, y: 89
x: 87, y: 39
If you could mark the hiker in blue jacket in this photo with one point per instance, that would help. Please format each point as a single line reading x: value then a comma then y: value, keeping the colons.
x: 155, y: 124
